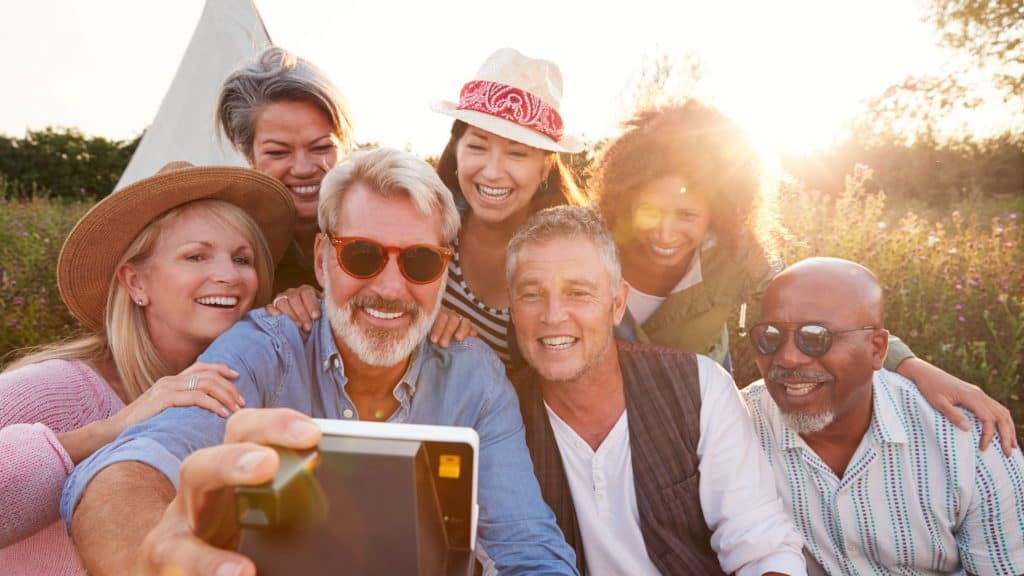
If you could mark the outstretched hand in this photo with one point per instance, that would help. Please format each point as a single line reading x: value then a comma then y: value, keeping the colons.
x: 198, y: 530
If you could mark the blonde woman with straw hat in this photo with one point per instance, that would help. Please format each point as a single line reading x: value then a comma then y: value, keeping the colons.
x: 156, y: 272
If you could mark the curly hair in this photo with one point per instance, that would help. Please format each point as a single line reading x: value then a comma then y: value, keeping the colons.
x: 559, y: 188
x: 691, y: 141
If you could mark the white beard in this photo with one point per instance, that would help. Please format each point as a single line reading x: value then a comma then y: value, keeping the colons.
x: 808, y: 423
x: 379, y: 346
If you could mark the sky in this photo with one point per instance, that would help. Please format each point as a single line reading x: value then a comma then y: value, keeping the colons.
x: 790, y: 71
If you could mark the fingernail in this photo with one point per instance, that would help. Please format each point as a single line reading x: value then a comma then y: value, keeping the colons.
x: 316, y: 314
x: 229, y: 569
x: 302, y: 430
x: 307, y: 327
x: 241, y: 401
x: 250, y: 460
x: 234, y: 373
x: 224, y: 412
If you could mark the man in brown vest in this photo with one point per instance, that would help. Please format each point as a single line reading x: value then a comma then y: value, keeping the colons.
x: 646, y: 455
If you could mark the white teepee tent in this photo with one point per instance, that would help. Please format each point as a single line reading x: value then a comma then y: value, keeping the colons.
x: 229, y: 33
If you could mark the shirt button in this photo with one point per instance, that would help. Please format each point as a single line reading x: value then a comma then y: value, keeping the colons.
x: 347, y: 413
x: 336, y: 362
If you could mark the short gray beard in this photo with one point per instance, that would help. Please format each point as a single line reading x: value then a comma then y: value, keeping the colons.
x: 377, y: 347
x: 808, y: 423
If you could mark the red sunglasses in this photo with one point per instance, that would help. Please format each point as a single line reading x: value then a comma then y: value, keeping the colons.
x: 364, y: 258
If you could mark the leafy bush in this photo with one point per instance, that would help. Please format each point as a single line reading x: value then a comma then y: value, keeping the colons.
x: 31, y: 234
x: 954, y: 284
x: 64, y: 162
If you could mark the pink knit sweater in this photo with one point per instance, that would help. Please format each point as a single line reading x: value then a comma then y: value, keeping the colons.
x: 36, y: 403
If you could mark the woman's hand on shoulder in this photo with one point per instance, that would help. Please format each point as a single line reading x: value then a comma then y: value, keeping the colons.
x: 945, y: 392
x: 204, y: 385
x: 450, y: 325
x: 301, y: 304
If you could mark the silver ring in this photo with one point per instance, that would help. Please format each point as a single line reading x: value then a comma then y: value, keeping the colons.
x: 280, y: 297
x: 192, y: 383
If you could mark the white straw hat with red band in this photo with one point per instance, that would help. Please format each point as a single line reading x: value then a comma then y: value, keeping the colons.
x: 516, y: 97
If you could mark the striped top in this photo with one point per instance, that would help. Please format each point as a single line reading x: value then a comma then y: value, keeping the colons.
x: 918, y: 497
x: 491, y: 323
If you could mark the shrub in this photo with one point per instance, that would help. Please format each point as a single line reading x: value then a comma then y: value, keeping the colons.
x: 31, y: 234
x: 954, y: 284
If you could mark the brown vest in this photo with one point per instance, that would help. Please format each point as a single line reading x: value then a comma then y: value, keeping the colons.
x: 663, y: 401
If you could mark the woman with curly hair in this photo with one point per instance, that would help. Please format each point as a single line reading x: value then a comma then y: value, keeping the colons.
x: 680, y: 190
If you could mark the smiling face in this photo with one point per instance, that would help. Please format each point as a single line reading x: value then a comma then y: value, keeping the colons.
x: 197, y: 282
x: 564, y: 307
x: 293, y: 142
x: 669, y: 224
x: 498, y: 177
x: 382, y: 319
x: 815, y: 394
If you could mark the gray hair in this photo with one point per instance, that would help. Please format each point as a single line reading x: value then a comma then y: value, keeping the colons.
x: 277, y: 75
x: 388, y: 172
x: 570, y: 222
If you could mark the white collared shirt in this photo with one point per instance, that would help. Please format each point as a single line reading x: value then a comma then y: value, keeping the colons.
x: 918, y: 497
x: 751, y: 532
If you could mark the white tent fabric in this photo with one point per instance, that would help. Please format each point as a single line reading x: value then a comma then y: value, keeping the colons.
x: 229, y: 33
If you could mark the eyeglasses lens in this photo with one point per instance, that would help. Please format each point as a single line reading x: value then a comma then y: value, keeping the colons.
x: 812, y: 339
x: 362, y: 259
x: 421, y: 264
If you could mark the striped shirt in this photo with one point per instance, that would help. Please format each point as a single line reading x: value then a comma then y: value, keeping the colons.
x: 918, y: 497
x: 491, y: 323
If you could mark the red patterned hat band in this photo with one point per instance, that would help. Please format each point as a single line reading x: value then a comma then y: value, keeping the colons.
x: 512, y: 104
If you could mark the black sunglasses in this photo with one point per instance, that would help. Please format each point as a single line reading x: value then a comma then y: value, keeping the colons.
x: 811, y: 338
x: 364, y: 258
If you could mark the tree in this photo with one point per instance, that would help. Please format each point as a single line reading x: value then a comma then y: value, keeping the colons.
x: 990, y: 31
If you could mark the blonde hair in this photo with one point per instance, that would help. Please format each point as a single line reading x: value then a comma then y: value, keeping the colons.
x: 125, y: 339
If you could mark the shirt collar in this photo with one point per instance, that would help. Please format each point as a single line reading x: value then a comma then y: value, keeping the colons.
x: 332, y: 358
x: 887, y: 419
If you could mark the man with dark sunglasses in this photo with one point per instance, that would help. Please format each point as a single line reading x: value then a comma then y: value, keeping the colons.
x: 386, y: 221
x: 875, y: 478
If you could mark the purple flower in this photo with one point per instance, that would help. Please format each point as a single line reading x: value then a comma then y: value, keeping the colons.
x: 961, y: 319
x: 959, y: 306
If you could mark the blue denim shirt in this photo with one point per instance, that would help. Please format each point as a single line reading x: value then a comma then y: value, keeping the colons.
x: 463, y: 385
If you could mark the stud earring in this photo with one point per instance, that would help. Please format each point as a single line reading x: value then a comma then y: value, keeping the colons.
x: 139, y: 301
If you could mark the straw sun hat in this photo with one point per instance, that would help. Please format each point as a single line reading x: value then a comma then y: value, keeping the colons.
x: 90, y: 254
x: 516, y: 97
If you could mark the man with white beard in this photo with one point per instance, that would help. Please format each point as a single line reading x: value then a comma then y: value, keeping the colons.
x: 387, y: 220
x: 877, y: 481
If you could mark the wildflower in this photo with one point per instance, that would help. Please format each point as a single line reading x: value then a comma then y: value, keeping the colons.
x: 958, y: 288
x: 998, y: 231
x: 932, y: 240
x: 881, y: 225
x: 1002, y: 298
x: 961, y: 319
x: 1012, y: 216
x: 956, y: 214
x: 951, y: 250
x: 959, y: 306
